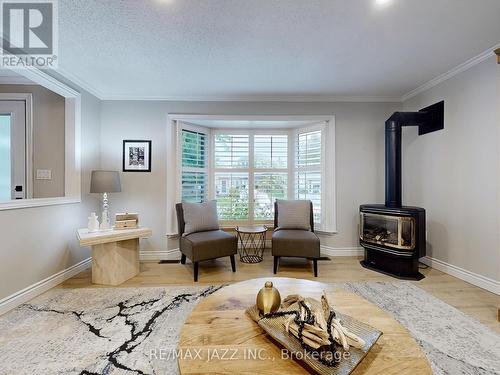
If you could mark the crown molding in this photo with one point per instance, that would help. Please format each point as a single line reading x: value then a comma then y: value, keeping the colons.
x: 39, y: 77
x: 229, y: 98
x: 81, y: 83
x: 451, y: 73
x: 257, y: 98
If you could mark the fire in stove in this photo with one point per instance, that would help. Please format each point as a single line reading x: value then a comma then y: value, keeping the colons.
x: 396, y: 232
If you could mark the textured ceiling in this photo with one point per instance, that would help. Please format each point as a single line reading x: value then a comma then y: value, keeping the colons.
x: 221, y: 48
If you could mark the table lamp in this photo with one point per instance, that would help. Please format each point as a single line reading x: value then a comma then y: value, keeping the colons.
x: 105, y: 182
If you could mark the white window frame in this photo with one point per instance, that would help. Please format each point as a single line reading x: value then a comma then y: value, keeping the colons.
x: 173, y: 191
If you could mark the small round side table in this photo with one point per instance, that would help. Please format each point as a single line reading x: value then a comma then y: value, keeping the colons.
x: 253, y: 242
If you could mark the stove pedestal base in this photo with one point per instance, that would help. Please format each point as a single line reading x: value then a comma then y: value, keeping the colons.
x: 404, y: 268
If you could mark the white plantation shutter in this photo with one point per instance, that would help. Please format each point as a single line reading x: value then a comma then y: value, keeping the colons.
x: 194, y: 187
x: 268, y: 186
x: 309, y: 161
x: 231, y: 151
x: 231, y: 193
x: 194, y: 172
x: 231, y: 177
x: 270, y: 151
x: 270, y: 155
x: 308, y: 186
x: 308, y: 149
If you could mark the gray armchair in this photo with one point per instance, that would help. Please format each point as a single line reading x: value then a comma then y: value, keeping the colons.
x: 204, y: 245
x: 295, y: 242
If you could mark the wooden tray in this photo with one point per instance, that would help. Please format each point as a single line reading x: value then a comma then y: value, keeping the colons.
x: 275, y: 328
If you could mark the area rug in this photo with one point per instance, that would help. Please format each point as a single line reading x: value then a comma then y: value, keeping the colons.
x: 122, y: 330
x: 453, y: 342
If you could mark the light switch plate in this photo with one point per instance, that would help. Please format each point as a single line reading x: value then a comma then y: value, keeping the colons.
x: 43, y: 174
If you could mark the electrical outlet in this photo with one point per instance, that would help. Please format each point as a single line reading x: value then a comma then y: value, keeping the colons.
x: 43, y: 174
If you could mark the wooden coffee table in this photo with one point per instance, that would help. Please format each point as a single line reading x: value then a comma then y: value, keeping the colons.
x: 219, y: 338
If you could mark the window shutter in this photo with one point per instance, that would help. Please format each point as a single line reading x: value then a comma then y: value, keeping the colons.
x: 194, y: 187
x: 194, y: 180
x: 308, y: 149
x: 308, y: 170
x: 271, y: 151
x: 193, y: 149
x: 269, y: 186
x: 231, y: 192
x: 308, y: 186
x: 231, y: 151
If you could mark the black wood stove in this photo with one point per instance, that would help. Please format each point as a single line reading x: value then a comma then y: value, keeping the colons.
x: 393, y: 235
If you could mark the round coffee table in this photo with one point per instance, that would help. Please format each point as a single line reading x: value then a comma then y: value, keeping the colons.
x: 221, y: 339
x: 253, y: 242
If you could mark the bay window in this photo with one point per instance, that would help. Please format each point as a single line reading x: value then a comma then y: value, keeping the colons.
x: 246, y: 170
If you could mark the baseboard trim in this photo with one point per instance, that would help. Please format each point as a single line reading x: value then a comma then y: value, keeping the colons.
x: 24, y: 295
x: 160, y: 255
x: 342, y: 251
x: 463, y: 274
x: 176, y: 254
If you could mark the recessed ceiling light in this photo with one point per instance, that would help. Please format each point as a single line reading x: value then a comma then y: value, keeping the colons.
x: 382, y: 2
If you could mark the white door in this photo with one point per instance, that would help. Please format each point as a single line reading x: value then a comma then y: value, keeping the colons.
x: 12, y: 149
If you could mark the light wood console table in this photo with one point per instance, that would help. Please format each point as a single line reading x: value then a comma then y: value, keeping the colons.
x: 115, y: 253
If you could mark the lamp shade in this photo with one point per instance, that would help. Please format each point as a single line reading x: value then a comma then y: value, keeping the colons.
x: 105, y: 182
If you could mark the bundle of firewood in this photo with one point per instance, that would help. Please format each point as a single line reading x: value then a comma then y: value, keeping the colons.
x: 316, y: 335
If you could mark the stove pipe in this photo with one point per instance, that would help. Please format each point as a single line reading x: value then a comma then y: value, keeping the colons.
x: 428, y: 120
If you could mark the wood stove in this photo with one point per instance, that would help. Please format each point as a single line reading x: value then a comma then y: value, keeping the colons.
x: 393, y: 235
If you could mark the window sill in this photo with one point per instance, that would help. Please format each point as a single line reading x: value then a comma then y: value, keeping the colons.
x: 37, y: 202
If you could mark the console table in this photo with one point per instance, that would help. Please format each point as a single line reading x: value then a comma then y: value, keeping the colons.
x: 115, y: 253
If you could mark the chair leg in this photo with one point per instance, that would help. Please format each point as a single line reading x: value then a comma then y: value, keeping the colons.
x: 233, y: 263
x: 315, y: 264
x: 276, y: 261
x: 183, y: 259
x: 195, y: 271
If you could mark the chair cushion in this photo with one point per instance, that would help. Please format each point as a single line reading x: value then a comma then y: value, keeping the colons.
x: 199, y: 217
x: 209, y: 245
x: 294, y: 214
x: 295, y: 243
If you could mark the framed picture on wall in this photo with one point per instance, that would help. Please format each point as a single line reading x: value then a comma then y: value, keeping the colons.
x: 136, y: 156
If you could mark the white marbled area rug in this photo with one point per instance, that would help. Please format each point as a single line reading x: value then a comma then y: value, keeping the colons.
x: 122, y: 330
x: 97, y: 331
x: 453, y: 342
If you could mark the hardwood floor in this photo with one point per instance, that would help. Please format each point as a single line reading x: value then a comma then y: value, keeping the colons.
x: 473, y: 301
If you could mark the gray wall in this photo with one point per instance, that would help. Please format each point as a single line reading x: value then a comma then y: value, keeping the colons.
x: 359, y: 143
x: 454, y: 173
x: 48, y: 137
x: 36, y: 243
